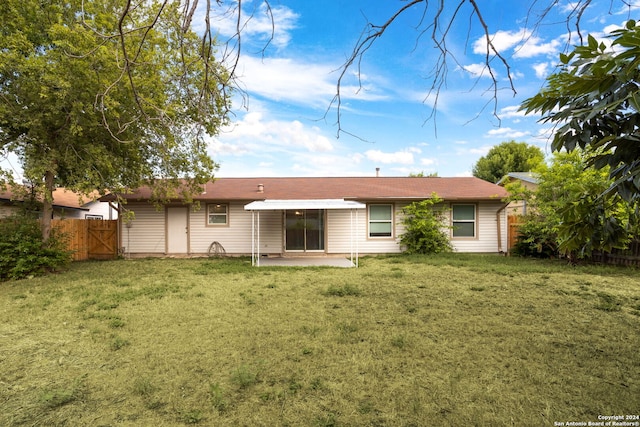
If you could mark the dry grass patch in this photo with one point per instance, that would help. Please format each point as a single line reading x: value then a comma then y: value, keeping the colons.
x: 447, y: 340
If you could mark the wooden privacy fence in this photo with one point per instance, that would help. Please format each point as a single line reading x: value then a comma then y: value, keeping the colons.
x: 513, y: 224
x: 89, y: 238
x: 629, y: 256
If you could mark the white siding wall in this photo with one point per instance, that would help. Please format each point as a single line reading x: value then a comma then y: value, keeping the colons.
x: 101, y: 208
x: 236, y: 236
x: 487, y: 230
x: 271, y: 233
x: 146, y: 236
x: 340, y: 234
x: 94, y: 208
x: 147, y: 232
x: 339, y: 237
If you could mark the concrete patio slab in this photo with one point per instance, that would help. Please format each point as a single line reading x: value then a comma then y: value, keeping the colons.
x: 305, y: 262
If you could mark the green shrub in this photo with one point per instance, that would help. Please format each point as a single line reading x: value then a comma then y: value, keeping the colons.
x: 535, y: 239
x: 22, y: 252
x: 424, y: 228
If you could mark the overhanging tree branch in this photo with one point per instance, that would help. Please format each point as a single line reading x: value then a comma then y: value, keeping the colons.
x: 444, y: 17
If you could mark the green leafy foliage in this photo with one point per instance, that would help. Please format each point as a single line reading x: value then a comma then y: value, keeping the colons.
x: 22, y: 252
x: 595, y: 101
x: 507, y: 157
x: 424, y: 225
x: 101, y: 96
x: 536, y: 238
x: 570, y: 215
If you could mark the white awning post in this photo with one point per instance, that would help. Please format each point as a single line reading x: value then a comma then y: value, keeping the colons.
x: 283, y: 205
x: 351, y: 235
x: 253, y: 238
x: 258, y: 248
x: 357, y: 234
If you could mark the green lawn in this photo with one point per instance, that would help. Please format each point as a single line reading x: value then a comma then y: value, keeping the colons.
x: 401, y: 341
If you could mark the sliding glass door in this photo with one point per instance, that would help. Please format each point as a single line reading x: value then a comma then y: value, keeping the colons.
x: 304, y: 230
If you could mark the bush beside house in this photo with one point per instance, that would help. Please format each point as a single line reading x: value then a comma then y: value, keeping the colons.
x: 22, y: 252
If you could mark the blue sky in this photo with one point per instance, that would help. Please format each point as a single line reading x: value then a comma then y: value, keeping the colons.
x: 283, y: 126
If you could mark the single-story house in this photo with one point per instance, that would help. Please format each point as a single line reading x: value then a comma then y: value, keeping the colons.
x: 66, y: 205
x: 310, y: 216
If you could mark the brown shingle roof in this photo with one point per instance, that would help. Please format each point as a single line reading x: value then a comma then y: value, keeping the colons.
x: 62, y: 198
x: 363, y: 188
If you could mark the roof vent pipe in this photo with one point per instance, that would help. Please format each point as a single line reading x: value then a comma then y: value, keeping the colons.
x: 377, y: 172
x: 260, y: 188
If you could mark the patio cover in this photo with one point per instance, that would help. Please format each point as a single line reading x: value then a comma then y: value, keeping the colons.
x: 283, y: 205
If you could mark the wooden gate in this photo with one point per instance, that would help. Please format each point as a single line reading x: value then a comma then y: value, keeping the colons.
x: 513, y: 223
x: 89, y: 238
x: 103, y: 239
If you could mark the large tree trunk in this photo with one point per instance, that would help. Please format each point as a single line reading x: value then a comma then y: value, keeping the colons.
x: 47, y: 206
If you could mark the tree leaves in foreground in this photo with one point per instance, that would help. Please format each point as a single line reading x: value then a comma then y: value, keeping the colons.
x: 104, y: 95
x: 594, y: 100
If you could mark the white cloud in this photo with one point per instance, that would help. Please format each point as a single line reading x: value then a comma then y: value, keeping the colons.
x: 477, y: 150
x: 610, y: 28
x: 533, y: 46
x: 286, y: 79
x: 501, y: 40
x: 629, y: 6
x: 428, y: 162
x: 253, y: 133
x: 517, y: 75
x: 511, y: 112
x: 306, y: 164
x: 258, y: 25
x: 403, y: 157
x: 541, y: 69
x: 522, y: 42
x: 477, y: 70
x: 506, y: 133
x: 569, y: 7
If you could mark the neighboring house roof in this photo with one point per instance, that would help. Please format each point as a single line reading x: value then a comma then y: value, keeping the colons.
x: 62, y: 198
x: 354, y: 188
x: 530, y: 177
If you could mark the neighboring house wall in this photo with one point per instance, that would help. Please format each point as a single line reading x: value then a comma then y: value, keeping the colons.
x: 94, y: 208
x: 102, y: 209
x: 148, y: 231
x: 7, y: 210
x: 63, y: 213
x: 58, y: 213
x: 520, y: 207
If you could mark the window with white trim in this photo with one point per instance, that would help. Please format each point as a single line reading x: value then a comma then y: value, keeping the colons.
x: 217, y: 214
x: 464, y: 220
x: 380, y: 220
